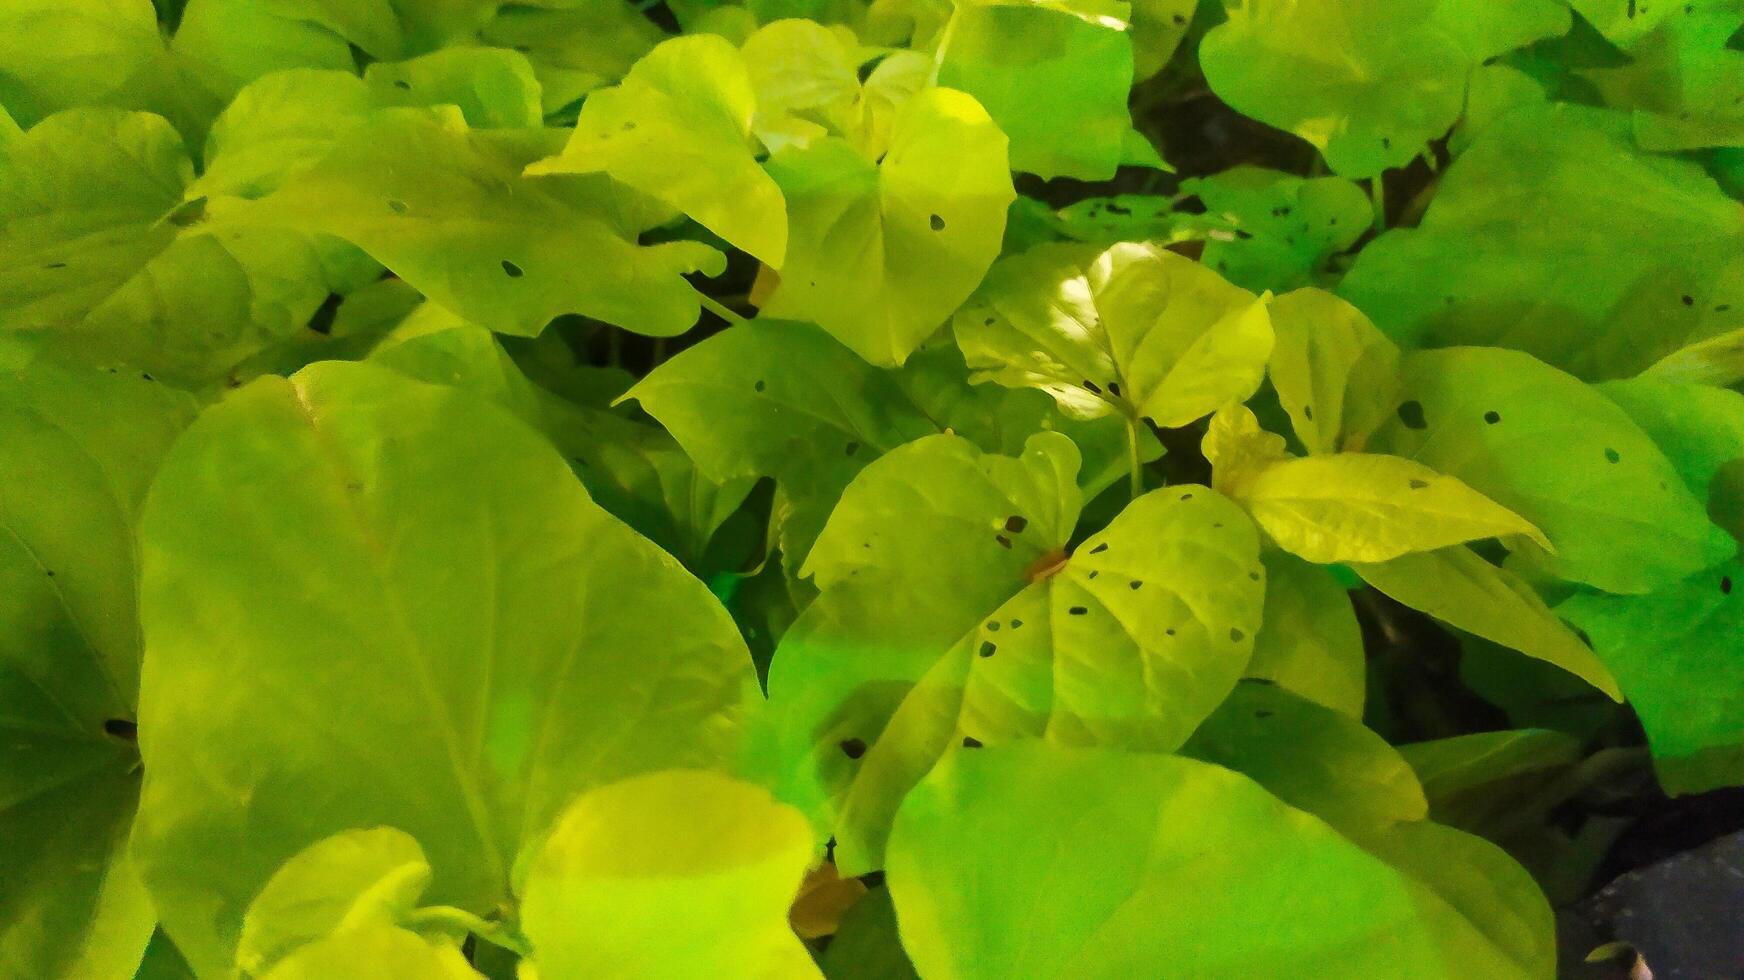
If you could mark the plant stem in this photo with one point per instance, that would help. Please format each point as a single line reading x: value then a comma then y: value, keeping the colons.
x: 720, y: 309
x: 1378, y: 191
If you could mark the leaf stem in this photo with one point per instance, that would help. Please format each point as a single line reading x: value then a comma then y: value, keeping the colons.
x: 1136, y: 466
x: 1378, y: 191
x: 720, y: 309
x: 450, y: 919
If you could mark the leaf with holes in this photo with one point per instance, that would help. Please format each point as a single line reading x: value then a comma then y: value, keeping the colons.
x: 883, y: 253
x: 951, y: 614
x: 1562, y: 456
x: 447, y: 209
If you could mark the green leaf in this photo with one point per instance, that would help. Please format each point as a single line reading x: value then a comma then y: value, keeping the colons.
x: 1273, y: 230
x: 1483, y: 782
x: 882, y: 254
x: 637, y: 472
x: 784, y: 400
x: 1158, y: 28
x: 1368, y: 82
x: 1562, y: 456
x: 1484, y: 268
x: 225, y: 44
x: 678, y: 128
x: 951, y: 613
x: 102, y: 255
x: 1361, y: 507
x: 341, y: 882
x: 277, y: 127
x: 1699, y: 428
x: 447, y: 210
x: 1674, y: 655
x: 1475, y: 904
x: 805, y: 78
x: 1053, y: 76
x: 670, y: 874
x: 399, y: 595
x: 1101, y: 845
x: 576, y: 49
x: 1682, y: 79
x: 1334, y: 372
x: 77, y: 450
x: 1309, y: 641
x: 1135, y: 330
x: 375, y: 951
x: 1466, y: 592
x: 60, y: 54
x: 493, y: 87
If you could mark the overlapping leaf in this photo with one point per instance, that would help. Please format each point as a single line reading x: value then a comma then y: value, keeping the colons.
x: 882, y: 254
x: 1135, y: 330
x: 951, y: 614
x: 349, y: 606
x: 78, y: 448
x: 1486, y: 268
x: 1369, y: 82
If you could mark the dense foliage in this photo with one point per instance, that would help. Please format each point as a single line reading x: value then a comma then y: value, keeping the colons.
x: 600, y: 490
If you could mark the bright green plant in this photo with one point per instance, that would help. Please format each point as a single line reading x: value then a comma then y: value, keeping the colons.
x: 538, y: 489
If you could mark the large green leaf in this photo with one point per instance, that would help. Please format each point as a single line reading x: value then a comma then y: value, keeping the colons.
x: 884, y: 253
x: 1485, y: 268
x: 369, y: 601
x: 1474, y: 902
x: 1138, y: 860
x: 59, y: 54
x: 1675, y: 655
x: 1369, y: 82
x: 951, y: 613
x: 1461, y: 589
x: 672, y: 874
x: 1561, y: 455
x: 1135, y: 330
x: 1054, y: 76
x: 78, y: 448
x: 784, y: 400
x: 678, y: 129
x: 447, y: 209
